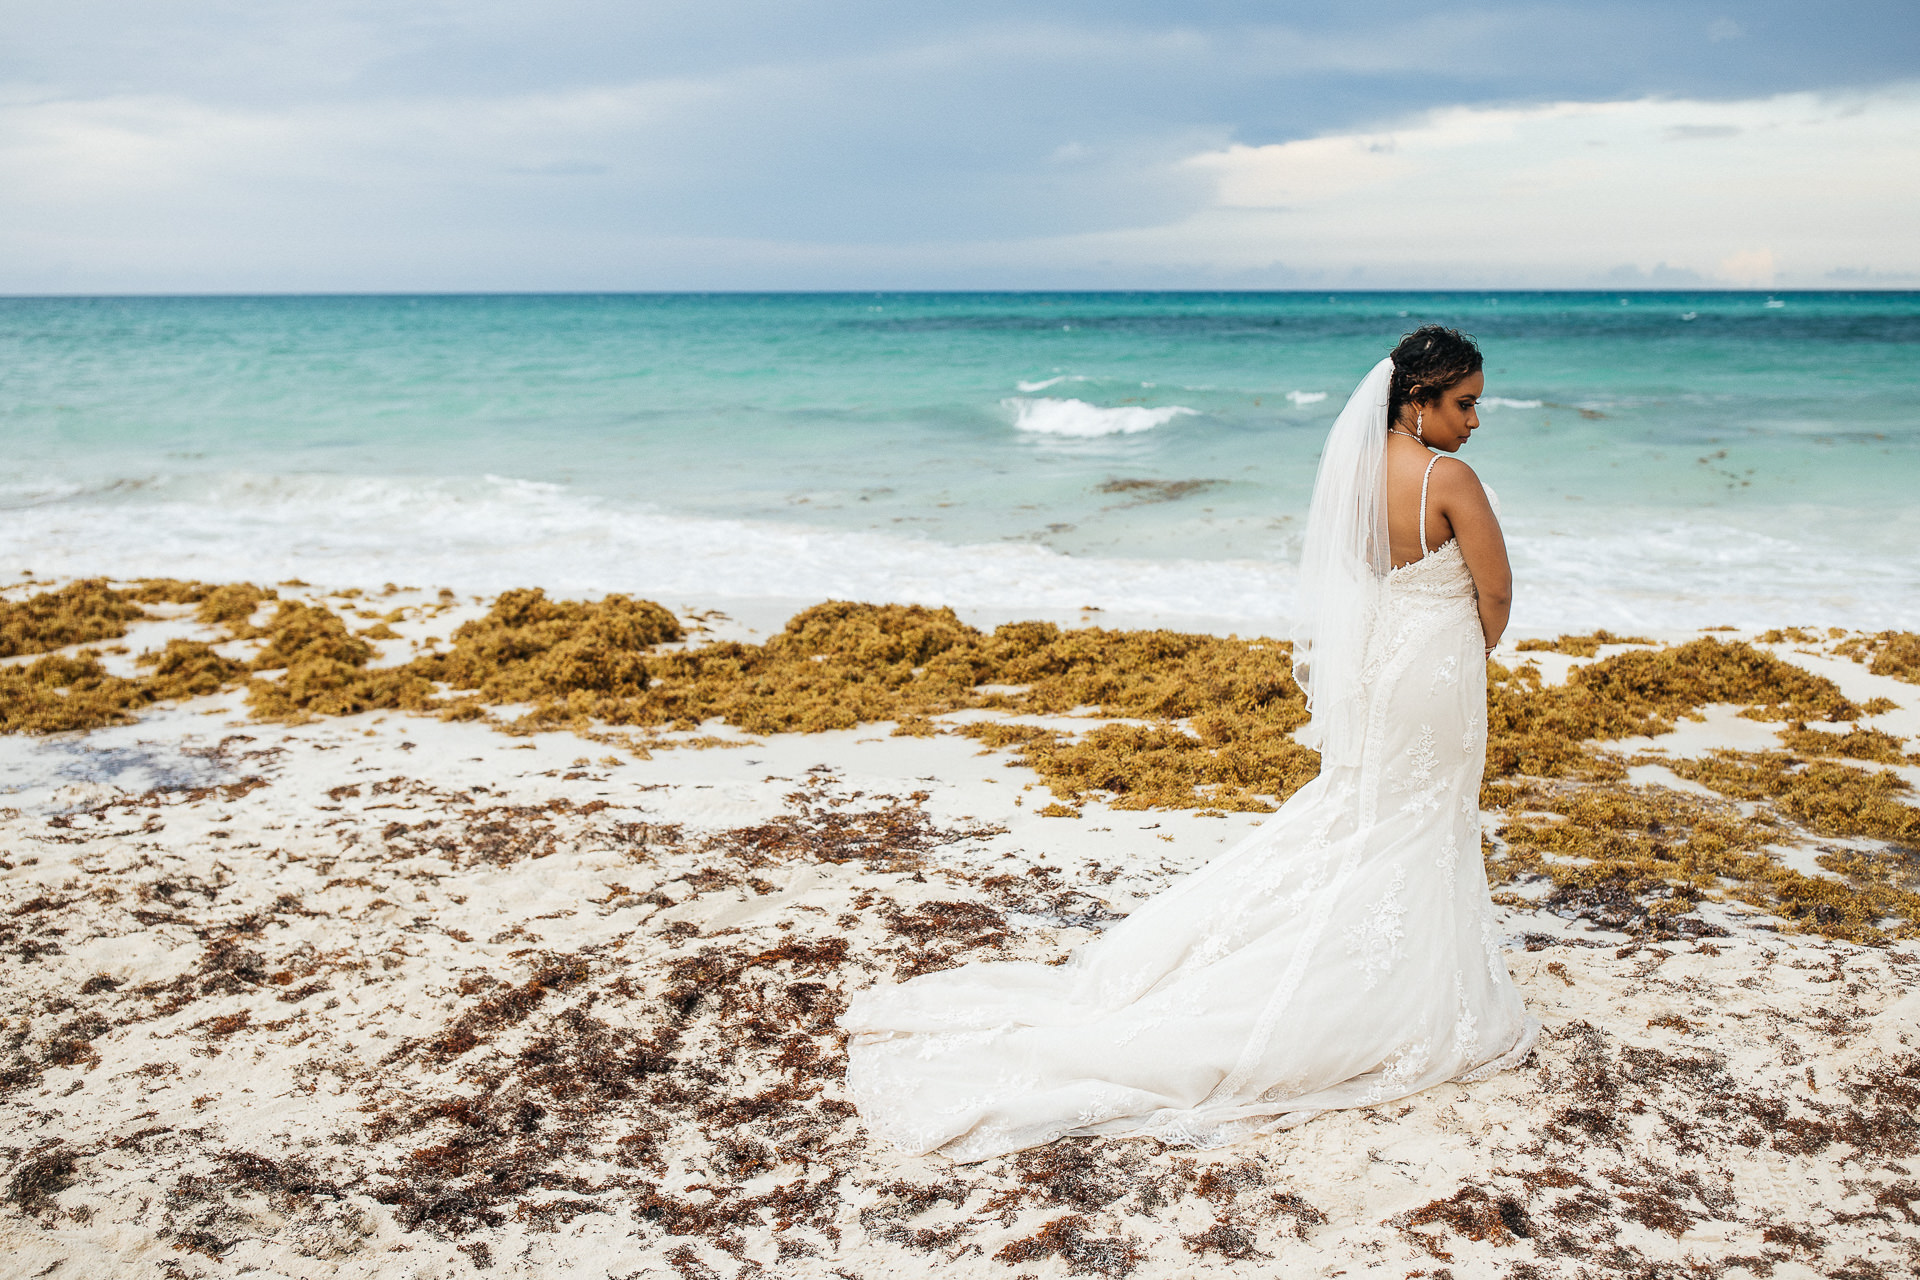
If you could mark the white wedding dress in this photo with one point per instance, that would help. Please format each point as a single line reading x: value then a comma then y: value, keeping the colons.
x: 1343, y: 954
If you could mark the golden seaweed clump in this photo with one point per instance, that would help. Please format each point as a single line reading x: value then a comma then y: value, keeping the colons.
x: 231, y: 606
x: 1221, y: 710
x: 1165, y: 675
x: 1889, y: 653
x: 1538, y: 729
x: 1579, y: 646
x: 570, y: 658
x: 167, y: 591
x: 1660, y: 684
x: 325, y: 670
x: 1855, y: 744
x: 1225, y: 711
x: 1165, y: 767
x: 1666, y: 851
x: 833, y: 666
x: 1832, y: 799
x: 188, y: 669
x: 59, y: 693
x: 79, y: 613
x: 304, y: 633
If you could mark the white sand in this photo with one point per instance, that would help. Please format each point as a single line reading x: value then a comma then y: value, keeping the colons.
x: 384, y: 996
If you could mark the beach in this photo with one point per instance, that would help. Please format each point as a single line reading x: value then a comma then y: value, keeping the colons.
x: 573, y: 577
x: 461, y: 753
x: 368, y: 930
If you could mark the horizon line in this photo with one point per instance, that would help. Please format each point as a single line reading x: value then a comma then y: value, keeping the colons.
x: 176, y: 295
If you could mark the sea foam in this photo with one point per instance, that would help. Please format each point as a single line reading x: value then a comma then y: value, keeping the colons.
x: 489, y: 534
x: 1503, y: 402
x: 1045, y: 415
x: 1304, y: 398
x: 1645, y: 569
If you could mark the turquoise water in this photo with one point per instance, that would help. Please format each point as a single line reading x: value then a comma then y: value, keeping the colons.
x: 1662, y: 459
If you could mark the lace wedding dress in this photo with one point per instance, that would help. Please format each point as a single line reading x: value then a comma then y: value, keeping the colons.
x: 1343, y: 954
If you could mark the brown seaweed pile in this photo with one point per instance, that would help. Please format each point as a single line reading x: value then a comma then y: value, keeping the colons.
x: 1540, y: 730
x: 326, y: 670
x: 1857, y: 743
x: 1173, y: 720
x: 63, y: 692
x: 59, y: 693
x: 1639, y: 859
x: 1586, y: 646
x: 1828, y: 798
x: 1222, y: 710
x: 79, y: 613
x: 324, y: 667
x: 532, y: 649
x: 1888, y: 653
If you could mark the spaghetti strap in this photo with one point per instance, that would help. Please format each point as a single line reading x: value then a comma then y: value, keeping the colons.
x: 1425, y: 476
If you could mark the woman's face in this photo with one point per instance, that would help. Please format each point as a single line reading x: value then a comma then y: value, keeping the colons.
x: 1449, y: 419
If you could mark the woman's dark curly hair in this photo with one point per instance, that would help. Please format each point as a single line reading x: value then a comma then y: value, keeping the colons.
x: 1427, y: 362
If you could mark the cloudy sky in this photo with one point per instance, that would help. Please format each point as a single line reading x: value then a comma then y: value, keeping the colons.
x: 276, y: 145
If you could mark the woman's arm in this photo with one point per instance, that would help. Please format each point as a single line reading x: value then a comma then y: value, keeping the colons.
x: 1463, y: 500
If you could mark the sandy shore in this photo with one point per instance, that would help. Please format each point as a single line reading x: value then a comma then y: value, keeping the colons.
x: 391, y: 995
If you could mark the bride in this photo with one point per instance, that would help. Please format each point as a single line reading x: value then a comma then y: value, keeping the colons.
x: 1344, y: 953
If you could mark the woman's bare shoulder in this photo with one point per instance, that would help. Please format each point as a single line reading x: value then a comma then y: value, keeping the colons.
x: 1453, y: 475
x: 1461, y: 492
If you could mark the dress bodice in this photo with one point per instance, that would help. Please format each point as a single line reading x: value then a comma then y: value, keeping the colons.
x: 1441, y: 573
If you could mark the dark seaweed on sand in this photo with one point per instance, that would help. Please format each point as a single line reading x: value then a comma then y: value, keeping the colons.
x: 687, y: 1090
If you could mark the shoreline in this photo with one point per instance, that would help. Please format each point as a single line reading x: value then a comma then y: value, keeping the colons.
x: 388, y: 993
x: 1583, y: 563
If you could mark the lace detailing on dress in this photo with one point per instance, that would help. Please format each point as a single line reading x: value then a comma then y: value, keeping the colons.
x: 1376, y: 939
x: 1442, y: 572
x: 1449, y: 856
x: 1466, y: 1033
x: 1396, y: 1078
x: 1423, y: 778
x: 1490, y: 945
x: 1342, y: 954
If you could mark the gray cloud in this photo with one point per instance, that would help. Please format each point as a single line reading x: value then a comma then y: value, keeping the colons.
x: 1696, y: 132
x: 332, y: 143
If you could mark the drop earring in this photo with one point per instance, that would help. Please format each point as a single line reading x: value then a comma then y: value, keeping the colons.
x: 1419, y: 416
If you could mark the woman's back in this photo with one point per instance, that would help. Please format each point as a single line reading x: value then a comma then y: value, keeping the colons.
x: 1409, y: 481
x: 1432, y: 499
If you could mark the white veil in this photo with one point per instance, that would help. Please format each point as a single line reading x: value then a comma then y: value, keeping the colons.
x: 1343, y: 571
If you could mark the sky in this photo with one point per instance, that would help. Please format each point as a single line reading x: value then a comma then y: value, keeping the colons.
x: 160, y: 146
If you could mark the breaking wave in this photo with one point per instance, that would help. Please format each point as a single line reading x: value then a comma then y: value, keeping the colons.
x: 1047, y: 416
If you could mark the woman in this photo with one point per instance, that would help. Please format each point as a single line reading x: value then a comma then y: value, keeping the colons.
x: 1344, y: 953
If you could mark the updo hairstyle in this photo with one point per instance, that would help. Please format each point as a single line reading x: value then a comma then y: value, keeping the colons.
x: 1427, y: 362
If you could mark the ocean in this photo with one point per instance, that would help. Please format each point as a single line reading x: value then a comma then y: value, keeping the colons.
x: 1663, y: 460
